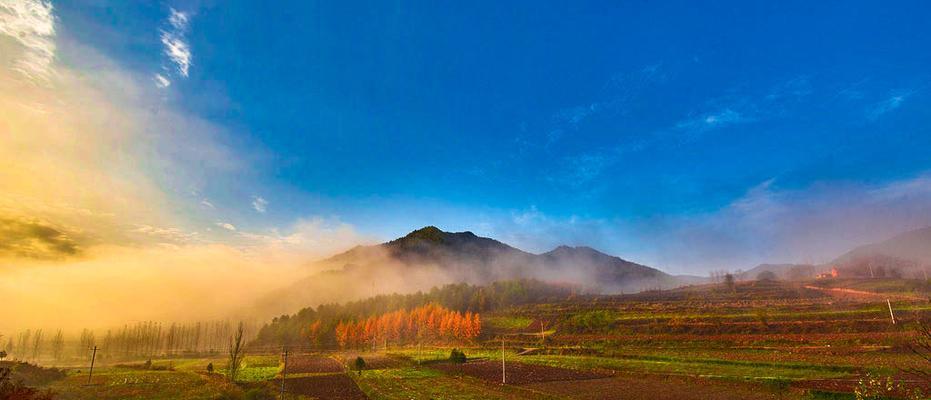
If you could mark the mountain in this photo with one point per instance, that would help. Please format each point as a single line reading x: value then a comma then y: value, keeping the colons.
x: 907, y: 255
x: 476, y: 259
x: 610, y: 273
x: 428, y: 257
x: 913, y: 245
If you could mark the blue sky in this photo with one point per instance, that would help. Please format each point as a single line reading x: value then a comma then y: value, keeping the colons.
x: 677, y: 134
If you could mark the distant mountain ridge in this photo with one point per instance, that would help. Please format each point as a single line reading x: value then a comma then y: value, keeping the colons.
x: 477, y: 259
x: 429, y: 256
x: 907, y: 254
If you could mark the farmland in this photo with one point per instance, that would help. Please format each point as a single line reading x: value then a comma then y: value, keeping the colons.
x: 757, y: 340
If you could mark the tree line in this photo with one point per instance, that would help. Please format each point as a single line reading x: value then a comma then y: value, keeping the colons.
x: 139, y: 340
x: 429, y: 323
x: 461, y: 297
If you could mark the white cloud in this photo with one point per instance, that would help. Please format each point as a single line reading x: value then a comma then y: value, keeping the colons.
x: 306, y: 238
x: 175, y: 45
x: 768, y: 224
x: 259, y: 204
x: 31, y: 23
x: 226, y: 225
x: 177, y: 19
x: 178, y: 51
x: 206, y: 203
x: 163, y: 235
x: 161, y: 81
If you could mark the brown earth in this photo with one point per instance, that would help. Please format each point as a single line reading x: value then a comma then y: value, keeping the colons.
x: 312, y: 363
x: 325, y: 387
x: 517, y: 373
x: 649, y: 387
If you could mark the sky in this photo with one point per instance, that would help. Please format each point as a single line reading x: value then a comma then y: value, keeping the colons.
x: 687, y: 136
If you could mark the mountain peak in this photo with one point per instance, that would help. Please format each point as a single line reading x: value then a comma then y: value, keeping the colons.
x: 427, y: 233
x: 577, y: 250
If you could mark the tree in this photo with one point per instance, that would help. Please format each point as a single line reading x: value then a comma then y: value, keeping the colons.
x: 36, y: 345
x: 359, y: 365
x: 235, y: 353
x: 210, y: 368
x: 457, y: 356
x: 730, y: 283
x: 921, y: 347
x: 58, y: 345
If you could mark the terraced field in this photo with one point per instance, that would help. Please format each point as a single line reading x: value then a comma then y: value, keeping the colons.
x: 763, y: 340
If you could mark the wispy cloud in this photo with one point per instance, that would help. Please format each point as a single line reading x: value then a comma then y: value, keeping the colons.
x: 891, y: 103
x: 175, y: 46
x: 714, y: 120
x: 770, y: 224
x: 226, y: 225
x: 259, y: 204
x: 161, y: 81
x: 31, y: 23
x: 583, y: 168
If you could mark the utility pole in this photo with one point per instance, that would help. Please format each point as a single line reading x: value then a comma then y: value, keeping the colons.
x: 90, y: 374
x: 284, y: 371
x: 503, y: 376
x: 891, y: 315
x: 542, y: 333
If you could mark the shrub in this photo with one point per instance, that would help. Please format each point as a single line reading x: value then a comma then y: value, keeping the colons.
x: 457, y: 356
x: 18, y: 391
x: 210, y: 368
x: 359, y: 365
x: 592, y: 321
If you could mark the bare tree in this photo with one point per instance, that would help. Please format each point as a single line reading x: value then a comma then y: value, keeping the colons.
x: 235, y: 353
x: 58, y: 345
x: 730, y: 283
x: 921, y: 346
x: 36, y: 345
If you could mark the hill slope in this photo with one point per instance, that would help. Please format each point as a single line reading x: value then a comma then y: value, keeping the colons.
x: 906, y: 255
x: 429, y: 257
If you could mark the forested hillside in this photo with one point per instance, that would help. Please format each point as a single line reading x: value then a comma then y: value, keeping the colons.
x: 295, y: 329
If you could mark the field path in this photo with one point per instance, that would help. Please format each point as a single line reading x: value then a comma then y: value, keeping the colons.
x: 864, y: 293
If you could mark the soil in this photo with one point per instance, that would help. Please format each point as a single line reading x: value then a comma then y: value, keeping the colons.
x: 325, y: 387
x: 517, y: 373
x: 312, y: 363
x: 644, y: 387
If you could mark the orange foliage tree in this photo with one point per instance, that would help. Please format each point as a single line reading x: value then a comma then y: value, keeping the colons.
x: 430, y: 322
